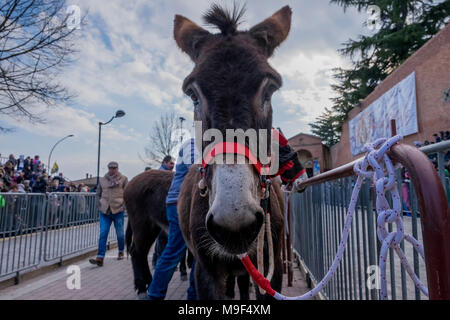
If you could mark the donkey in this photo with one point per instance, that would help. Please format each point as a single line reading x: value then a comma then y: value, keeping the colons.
x: 145, y: 200
x: 231, y: 87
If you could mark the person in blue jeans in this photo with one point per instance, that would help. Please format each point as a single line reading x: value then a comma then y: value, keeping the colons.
x: 175, y: 248
x: 167, y: 164
x: 110, y: 195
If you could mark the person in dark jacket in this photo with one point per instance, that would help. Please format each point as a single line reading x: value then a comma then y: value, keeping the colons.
x: 39, y: 185
x: 27, y: 168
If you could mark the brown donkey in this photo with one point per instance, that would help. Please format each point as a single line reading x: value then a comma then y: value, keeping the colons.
x: 231, y: 88
x: 145, y: 200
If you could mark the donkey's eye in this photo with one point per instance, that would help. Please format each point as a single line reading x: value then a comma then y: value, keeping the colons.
x: 191, y: 93
x: 267, y: 94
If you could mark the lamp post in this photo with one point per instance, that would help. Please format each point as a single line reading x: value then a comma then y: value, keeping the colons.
x: 51, y: 151
x: 119, y: 114
x: 181, y: 131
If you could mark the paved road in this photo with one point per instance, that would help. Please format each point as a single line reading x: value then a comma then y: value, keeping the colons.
x: 113, y: 281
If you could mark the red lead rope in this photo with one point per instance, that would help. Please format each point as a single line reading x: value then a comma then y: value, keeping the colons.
x: 256, y: 276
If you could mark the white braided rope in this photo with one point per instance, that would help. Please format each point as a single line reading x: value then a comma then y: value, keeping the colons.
x: 377, y: 159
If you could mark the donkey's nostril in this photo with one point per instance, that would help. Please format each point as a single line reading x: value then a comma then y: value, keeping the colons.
x: 215, y: 230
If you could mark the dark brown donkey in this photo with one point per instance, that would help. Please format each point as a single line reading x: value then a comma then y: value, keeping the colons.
x: 231, y: 88
x: 145, y: 199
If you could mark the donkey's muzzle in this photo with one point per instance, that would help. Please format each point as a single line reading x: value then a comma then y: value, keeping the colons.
x: 240, y: 238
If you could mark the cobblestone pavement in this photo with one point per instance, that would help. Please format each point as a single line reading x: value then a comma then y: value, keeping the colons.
x: 113, y: 281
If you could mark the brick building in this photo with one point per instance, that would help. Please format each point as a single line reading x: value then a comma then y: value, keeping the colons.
x: 309, y: 149
x: 431, y: 64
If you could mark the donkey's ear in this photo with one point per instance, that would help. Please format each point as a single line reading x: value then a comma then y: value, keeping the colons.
x: 273, y: 31
x: 189, y: 36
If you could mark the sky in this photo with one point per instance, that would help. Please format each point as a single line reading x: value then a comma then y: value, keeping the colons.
x: 127, y: 59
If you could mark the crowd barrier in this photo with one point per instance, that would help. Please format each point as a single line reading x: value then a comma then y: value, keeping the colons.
x: 317, y: 216
x: 37, y: 228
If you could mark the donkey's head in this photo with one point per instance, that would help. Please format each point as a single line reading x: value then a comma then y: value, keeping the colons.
x: 231, y: 87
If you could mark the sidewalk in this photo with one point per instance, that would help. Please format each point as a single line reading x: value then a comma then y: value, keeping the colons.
x: 113, y: 281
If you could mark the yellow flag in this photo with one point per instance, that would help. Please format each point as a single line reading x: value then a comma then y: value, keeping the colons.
x: 55, y: 168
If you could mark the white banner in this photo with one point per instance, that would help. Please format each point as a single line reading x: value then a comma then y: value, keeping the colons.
x: 374, y: 122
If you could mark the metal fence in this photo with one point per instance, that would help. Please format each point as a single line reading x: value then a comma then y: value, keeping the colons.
x: 316, y: 233
x: 438, y: 153
x: 21, y: 218
x: 316, y: 223
x: 35, y: 228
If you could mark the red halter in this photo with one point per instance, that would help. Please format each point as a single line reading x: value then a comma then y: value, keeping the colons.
x: 236, y: 148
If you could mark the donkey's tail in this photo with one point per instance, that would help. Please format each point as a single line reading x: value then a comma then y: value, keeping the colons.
x: 129, y: 239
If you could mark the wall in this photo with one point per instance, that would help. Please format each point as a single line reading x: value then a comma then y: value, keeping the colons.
x: 432, y: 66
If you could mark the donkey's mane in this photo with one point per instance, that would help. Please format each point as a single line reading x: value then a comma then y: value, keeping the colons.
x: 225, y: 20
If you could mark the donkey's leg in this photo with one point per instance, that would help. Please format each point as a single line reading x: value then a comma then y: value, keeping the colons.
x: 143, y: 239
x: 209, y: 285
x: 229, y: 292
x: 244, y: 284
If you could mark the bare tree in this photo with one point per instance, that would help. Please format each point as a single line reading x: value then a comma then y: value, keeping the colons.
x: 163, y: 139
x: 36, y: 41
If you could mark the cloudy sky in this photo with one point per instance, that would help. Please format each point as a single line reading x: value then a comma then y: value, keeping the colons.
x: 128, y: 60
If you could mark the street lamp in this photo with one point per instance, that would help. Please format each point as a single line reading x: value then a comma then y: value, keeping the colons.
x: 51, y: 151
x: 181, y: 131
x: 119, y: 114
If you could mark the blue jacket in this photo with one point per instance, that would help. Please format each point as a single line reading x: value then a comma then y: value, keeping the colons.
x: 163, y: 167
x: 187, y: 156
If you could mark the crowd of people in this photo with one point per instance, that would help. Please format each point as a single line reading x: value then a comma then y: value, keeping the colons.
x: 442, y: 136
x: 28, y: 175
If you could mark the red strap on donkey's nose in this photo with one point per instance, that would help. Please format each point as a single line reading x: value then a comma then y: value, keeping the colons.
x: 235, y: 148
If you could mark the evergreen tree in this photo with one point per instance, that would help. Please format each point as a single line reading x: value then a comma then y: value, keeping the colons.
x: 325, y: 127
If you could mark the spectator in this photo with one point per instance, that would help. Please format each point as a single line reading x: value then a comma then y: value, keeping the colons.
x: 35, y: 164
x: 437, y: 138
x: 20, y: 185
x: 14, y: 188
x: 111, y: 203
x: 26, y: 185
x: 167, y: 163
x: 55, y: 185
x: 8, y: 175
x: 161, y: 241
x: 12, y: 160
x: 60, y: 178
x: 28, y: 168
x: 39, y: 185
